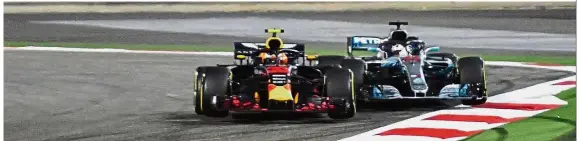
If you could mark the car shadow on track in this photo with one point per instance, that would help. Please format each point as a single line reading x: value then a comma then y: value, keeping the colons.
x: 190, y: 118
x: 264, y: 118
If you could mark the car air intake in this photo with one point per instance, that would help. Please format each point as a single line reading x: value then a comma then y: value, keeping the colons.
x: 275, y: 44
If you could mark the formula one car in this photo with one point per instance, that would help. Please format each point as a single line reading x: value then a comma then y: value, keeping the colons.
x: 405, y: 69
x: 268, y: 78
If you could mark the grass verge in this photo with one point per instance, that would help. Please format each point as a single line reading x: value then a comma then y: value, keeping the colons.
x: 551, y: 125
x: 561, y: 60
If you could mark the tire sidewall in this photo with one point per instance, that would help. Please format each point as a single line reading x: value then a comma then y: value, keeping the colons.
x: 335, y: 80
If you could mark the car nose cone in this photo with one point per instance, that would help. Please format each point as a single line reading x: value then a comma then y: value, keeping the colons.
x: 418, y: 81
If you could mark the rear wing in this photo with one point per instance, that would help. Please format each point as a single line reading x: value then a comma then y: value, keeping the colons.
x: 253, y: 49
x: 362, y: 43
x: 398, y: 24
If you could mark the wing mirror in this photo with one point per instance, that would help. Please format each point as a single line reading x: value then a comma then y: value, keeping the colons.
x: 241, y: 58
x: 311, y: 58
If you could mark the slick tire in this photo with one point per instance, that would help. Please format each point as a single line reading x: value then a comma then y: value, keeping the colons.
x: 472, y: 70
x: 339, y: 87
x: 329, y: 60
x: 358, y: 68
x: 198, y: 76
x: 214, y: 83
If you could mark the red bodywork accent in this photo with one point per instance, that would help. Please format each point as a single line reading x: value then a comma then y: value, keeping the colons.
x: 324, y: 106
x: 277, y: 70
x: 236, y: 104
x: 411, y: 58
x: 271, y: 86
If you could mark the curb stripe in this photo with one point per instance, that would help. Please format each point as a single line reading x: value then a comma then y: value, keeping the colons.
x: 566, y: 83
x: 429, y: 132
x: 518, y: 106
x: 503, y: 113
x: 473, y: 118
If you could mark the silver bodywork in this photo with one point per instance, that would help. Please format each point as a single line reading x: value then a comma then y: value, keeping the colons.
x: 417, y: 79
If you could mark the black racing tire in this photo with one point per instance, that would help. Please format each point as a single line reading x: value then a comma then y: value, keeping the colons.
x: 215, y: 83
x: 340, y: 88
x: 329, y: 60
x: 358, y: 68
x: 197, y: 76
x: 472, y: 70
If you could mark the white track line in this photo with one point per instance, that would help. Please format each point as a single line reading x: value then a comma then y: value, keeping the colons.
x: 504, y: 113
x: 108, y: 50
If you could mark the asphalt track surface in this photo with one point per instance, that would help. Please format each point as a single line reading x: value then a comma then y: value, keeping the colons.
x: 111, y: 96
x: 21, y: 27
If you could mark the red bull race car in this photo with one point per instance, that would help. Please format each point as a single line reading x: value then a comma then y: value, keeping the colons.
x: 267, y: 77
x: 404, y: 68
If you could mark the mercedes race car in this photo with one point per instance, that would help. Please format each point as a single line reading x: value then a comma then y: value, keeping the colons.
x: 404, y: 68
x: 267, y: 77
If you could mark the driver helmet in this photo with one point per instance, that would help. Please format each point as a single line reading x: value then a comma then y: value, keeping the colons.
x: 397, y: 49
x: 415, y: 46
x: 283, y: 58
x: 271, y: 58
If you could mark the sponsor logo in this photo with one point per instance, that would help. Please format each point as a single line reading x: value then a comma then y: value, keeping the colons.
x: 279, y: 79
x: 366, y: 40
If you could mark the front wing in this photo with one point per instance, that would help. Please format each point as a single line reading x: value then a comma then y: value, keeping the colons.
x: 452, y: 91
